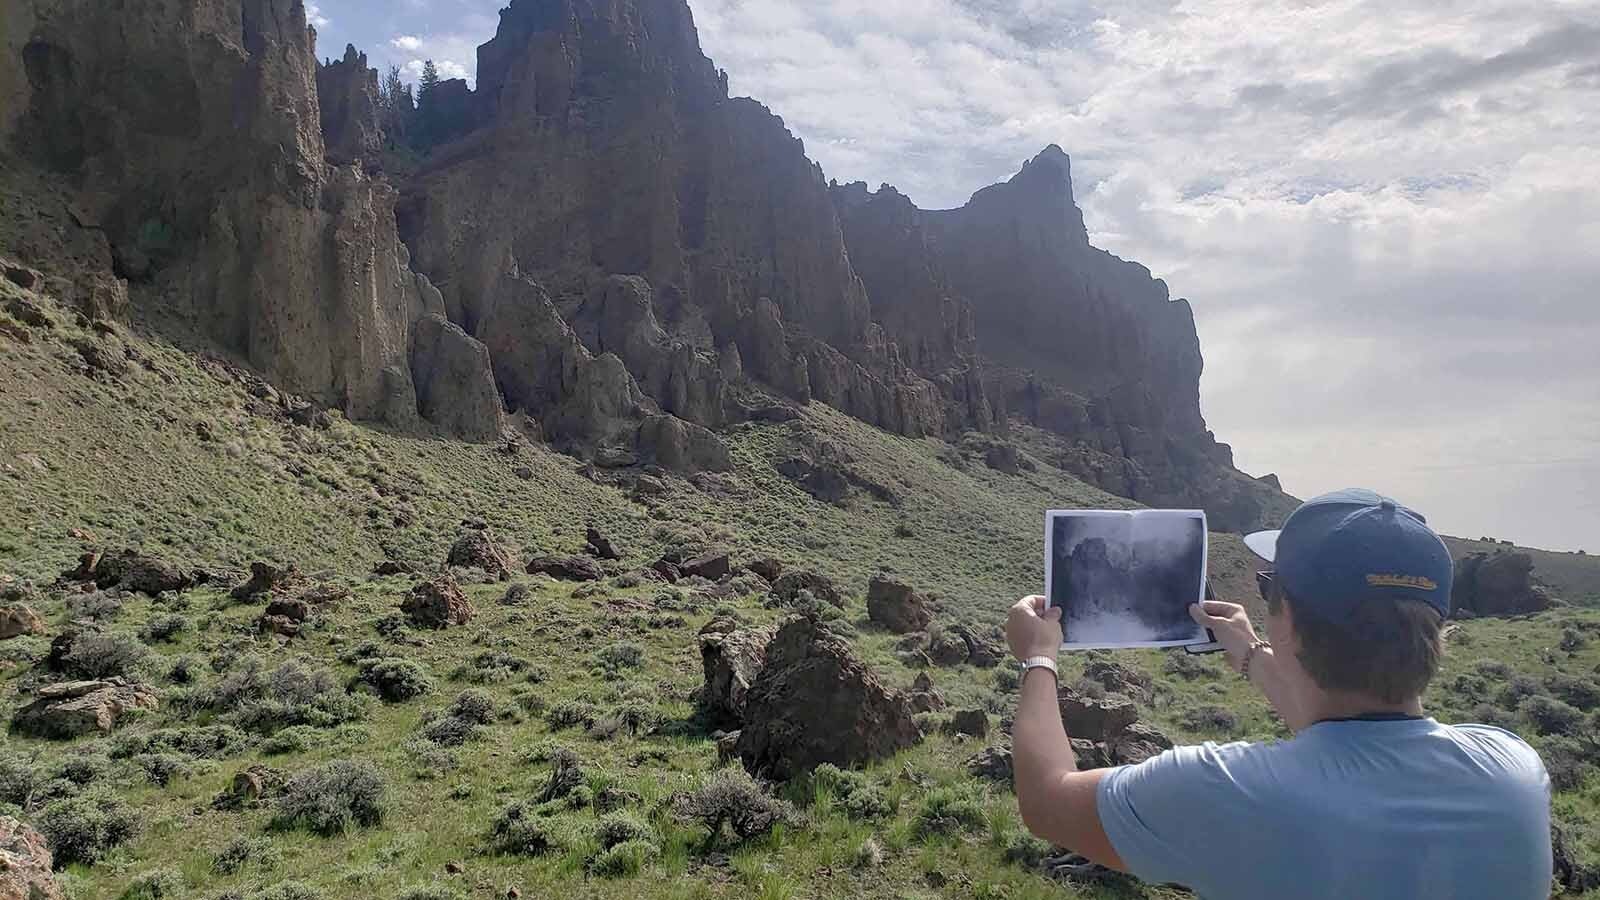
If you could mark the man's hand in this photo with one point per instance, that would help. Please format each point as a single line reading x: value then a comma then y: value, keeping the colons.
x: 1231, y: 625
x: 1034, y: 630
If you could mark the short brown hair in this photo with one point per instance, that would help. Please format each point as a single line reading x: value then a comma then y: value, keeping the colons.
x: 1388, y: 649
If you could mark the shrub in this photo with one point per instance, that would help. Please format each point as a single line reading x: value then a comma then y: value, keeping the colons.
x: 1567, y: 761
x: 82, y: 768
x: 269, y: 701
x: 96, y: 655
x: 288, y: 890
x: 1025, y: 850
x: 623, y: 655
x: 731, y: 797
x: 619, y: 827
x: 163, y: 628
x: 197, y: 741
x: 869, y: 855
x: 1007, y: 679
x: 450, y: 731
x: 160, y: 884
x: 1189, y: 667
x: 1493, y: 669
x: 566, y: 775
x: 1584, y: 693
x: 1490, y: 714
x: 473, y: 706
x: 633, y: 717
x: 855, y: 792
x: 497, y: 666
x: 1550, y: 716
x: 1209, y: 719
x: 429, y: 892
x: 84, y: 829
x: 294, y: 739
x: 333, y: 797
x: 161, y: 768
x: 946, y: 811
x: 242, y: 851
x: 97, y: 606
x: 572, y: 713
x: 1572, y: 640
x: 395, y: 680
x: 624, y: 859
x: 430, y: 761
x: 184, y: 669
x: 1518, y: 689
x: 519, y: 831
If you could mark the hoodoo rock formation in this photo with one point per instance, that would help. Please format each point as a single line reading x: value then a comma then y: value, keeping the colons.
x: 597, y: 237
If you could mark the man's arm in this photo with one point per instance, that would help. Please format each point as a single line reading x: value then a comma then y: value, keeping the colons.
x: 1058, y: 803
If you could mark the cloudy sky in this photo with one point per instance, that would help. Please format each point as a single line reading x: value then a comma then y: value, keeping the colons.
x: 1386, y: 213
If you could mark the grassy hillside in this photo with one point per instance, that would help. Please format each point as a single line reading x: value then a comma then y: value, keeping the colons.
x: 177, y: 456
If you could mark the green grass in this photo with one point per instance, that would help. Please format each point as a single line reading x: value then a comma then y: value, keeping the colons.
x: 107, y: 463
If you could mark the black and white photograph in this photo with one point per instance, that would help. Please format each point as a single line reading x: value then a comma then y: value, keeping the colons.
x: 1126, y: 578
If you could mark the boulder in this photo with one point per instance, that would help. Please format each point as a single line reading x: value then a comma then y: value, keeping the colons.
x: 924, y: 696
x: 993, y: 763
x: 667, y: 571
x: 25, y: 864
x: 455, y: 383
x: 250, y: 787
x: 1119, y: 679
x: 730, y: 658
x: 767, y: 567
x: 265, y: 579
x: 284, y: 617
x: 600, y: 546
x: 566, y: 568
x: 1090, y: 754
x: 477, y: 549
x: 711, y: 565
x: 786, y: 589
x: 973, y: 722
x: 17, y: 619
x: 324, y: 595
x: 892, y: 604
x: 437, y: 603
x: 76, y: 708
x: 985, y: 653
x: 1500, y: 584
x: 1138, y: 743
x: 1003, y: 458
x: 947, y: 649
x: 1095, y: 719
x: 814, y: 701
x: 134, y: 571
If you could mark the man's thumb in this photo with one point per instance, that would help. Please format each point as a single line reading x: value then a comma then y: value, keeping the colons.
x: 1201, y: 613
x: 1053, y: 614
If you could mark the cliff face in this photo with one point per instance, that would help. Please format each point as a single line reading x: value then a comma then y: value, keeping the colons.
x: 613, y: 246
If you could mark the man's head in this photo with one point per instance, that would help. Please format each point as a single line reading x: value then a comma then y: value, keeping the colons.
x: 1359, y: 589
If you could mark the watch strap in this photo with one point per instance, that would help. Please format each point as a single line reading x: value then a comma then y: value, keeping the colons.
x: 1040, y: 662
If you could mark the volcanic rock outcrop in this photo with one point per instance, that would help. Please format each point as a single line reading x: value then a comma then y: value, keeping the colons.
x: 613, y: 246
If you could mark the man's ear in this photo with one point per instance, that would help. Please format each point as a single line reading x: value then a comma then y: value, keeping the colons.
x: 1289, y: 638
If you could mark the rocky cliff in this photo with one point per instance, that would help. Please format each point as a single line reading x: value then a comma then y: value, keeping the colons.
x: 598, y: 238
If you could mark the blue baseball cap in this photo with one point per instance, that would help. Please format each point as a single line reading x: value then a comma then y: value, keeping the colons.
x: 1345, y: 547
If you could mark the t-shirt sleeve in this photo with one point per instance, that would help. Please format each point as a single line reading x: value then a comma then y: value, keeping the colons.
x: 1166, y: 817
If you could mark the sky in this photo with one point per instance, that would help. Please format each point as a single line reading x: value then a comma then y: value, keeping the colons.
x: 1386, y: 214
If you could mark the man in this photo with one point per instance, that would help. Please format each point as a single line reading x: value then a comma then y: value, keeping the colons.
x: 1369, y: 799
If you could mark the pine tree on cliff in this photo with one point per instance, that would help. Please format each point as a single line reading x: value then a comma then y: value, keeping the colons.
x: 428, y: 125
x: 430, y: 77
x: 399, y: 108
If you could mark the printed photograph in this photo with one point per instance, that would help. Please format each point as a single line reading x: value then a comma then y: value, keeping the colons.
x: 1126, y: 580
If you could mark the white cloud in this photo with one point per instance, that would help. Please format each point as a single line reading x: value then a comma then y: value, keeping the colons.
x: 447, y: 69
x: 406, y: 42
x: 315, y: 17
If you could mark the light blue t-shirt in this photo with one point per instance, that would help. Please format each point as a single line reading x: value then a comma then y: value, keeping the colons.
x: 1346, y: 809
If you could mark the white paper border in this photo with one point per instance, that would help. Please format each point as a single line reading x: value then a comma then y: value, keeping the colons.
x: 1050, y: 517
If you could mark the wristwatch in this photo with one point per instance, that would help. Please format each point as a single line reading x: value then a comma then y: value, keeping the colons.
x: 1040, y: 662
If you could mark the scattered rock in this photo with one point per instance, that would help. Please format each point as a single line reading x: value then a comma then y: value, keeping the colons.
x: 390, y: 567
x: 668, y: 571
x: 1090, y: 754
x: 815, y: 701
x: 320, y: 596
x: 1088, y: 718
x: 974, y: 722
x: 478, y: 550
x: 730, y: 658
x: 25, y: 863
x: 1119, y: 679
x: 515, y: 595
x: 1496, y: 585
x: 894, y: 605
x: 768, y: 568
x: 130, y: 571
x: 924, y: 696
x: 786, y: 589
x: 993, y: 764
x: 17, y: 619
x: 266, y: 578
x: 947, y: 649
x: 250, y: 788
x: 437, y: 603
x: 76, y: 708
x: 1138, y: 743
x: 985, y: 653
x: 1003, y: 458
x: 710, y: 565
x: 727, y: 746
x: 600, y: 546
x: 566, y: 568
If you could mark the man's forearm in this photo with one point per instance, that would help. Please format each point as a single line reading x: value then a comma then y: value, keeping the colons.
x: 1041, y: 751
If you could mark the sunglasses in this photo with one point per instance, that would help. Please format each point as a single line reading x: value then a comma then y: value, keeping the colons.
x: 1264, y: 585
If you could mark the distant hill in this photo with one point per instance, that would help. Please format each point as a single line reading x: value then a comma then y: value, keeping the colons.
x: 1572, y: 577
